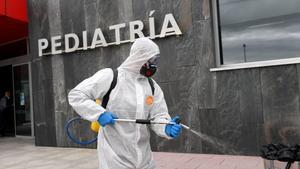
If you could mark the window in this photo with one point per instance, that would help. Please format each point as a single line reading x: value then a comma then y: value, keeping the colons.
x: 258, y: 30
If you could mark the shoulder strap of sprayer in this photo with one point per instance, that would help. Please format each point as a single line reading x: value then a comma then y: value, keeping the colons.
x: 151, y: 85
x: 113, y: 85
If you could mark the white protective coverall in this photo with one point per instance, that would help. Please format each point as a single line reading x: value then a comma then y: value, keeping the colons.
x: 124, y: 145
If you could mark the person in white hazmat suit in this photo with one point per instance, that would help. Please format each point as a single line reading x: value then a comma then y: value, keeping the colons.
x: 126, y: 145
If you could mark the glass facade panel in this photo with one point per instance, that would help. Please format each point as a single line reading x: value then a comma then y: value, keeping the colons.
x: 22, y: 100
x: 257, y: 30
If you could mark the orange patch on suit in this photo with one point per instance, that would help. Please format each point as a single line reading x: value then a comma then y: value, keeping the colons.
x: 149, y: 100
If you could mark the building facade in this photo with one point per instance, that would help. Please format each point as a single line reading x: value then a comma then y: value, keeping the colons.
x: 229, y: 84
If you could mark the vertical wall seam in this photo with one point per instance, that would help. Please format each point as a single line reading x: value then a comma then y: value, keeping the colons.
x: 261, y: 95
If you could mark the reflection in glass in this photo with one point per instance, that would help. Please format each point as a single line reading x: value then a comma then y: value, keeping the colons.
x: 22, y: 100
x: 255, y: 30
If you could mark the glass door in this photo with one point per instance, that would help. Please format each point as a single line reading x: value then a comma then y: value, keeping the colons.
x: 22, y: 101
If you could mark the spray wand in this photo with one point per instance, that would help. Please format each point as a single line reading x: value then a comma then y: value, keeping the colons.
x: 146, y: 121
x: 138, y: 121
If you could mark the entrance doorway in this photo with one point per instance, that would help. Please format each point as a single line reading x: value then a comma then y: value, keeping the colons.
x: 22, y: 100
x: 18, y: 116
x: 6, y: 84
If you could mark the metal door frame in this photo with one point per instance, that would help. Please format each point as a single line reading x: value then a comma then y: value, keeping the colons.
x: 30, y: 98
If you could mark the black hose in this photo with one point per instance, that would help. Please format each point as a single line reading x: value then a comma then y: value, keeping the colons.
x: 289, y: 164
x: 70, y: 135
x: 143, y: 121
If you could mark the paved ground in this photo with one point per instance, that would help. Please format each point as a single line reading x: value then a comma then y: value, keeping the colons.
x: 20, y: 153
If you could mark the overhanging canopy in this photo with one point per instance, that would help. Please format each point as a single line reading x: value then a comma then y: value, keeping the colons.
x: 13, y: 20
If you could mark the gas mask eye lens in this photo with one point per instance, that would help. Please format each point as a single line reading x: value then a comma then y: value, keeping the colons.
x: 154, y: 60
x: 152, y: 66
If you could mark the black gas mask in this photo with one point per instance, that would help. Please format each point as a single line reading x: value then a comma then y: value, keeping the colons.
x: 149, y: 68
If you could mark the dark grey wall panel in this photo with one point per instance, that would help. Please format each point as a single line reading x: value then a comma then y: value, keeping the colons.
x: 240, y: 117
x: 181, y: 101
x: 204, y: 9
x: 72, y: 16
x: 91, y: 16
x: 251, y: 111
x: 230, y: 118
x: 184, y: 46
x: 298, y: 77
x: 43, y: 106
x: 38, y: 23
x: 58, y: 75
x: 208, y: 120
x: 280, y: 93
x: 250, y: 96
x: 167, y: 71
x: 250, y: 139
x: 207, y: 85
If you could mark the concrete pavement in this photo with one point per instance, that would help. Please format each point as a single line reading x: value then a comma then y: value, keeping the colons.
x: 20, y: 153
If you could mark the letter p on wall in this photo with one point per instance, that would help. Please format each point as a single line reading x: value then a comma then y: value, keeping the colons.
x: 43, y: 44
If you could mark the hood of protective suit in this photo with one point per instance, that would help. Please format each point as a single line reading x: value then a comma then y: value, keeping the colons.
x: 141, y: 51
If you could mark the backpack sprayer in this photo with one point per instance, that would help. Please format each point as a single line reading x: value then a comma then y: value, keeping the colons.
x: 95, y: 127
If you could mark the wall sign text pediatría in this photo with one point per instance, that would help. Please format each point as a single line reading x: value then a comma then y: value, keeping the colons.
x: 169, y: 28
